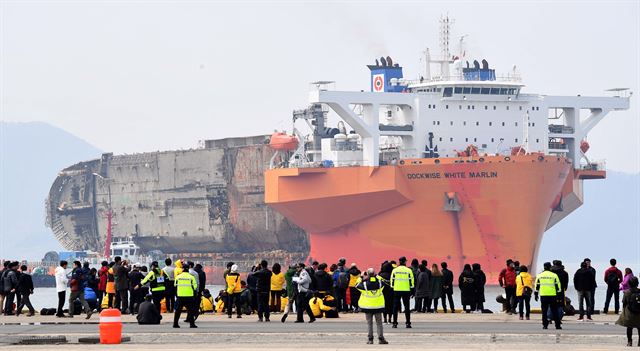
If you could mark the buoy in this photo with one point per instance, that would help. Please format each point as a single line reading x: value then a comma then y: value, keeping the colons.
x: 110, y: 326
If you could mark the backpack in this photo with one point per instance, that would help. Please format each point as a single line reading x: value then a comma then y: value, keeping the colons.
x: 634, y: 302
x: 612, y: 279
x: 343, y: 280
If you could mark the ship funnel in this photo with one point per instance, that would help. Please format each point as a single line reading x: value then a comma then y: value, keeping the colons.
x: 386, y: 77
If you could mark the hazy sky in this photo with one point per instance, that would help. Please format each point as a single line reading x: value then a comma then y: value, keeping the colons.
x: 152, y: 75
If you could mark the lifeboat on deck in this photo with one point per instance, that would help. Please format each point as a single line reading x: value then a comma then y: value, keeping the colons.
x: 470, y: 151
x: 283, y: 142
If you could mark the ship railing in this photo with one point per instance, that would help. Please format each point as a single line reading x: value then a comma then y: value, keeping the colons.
x: 508, y: 78
x: 599, y: 165
x: 557, y: 145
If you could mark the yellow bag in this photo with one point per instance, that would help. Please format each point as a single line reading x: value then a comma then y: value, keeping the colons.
x: 105, y: 301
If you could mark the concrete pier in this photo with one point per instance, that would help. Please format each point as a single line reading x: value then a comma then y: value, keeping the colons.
x: 430, y: 331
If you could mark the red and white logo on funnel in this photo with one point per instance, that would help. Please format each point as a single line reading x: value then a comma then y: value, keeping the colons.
x: 378, y: 83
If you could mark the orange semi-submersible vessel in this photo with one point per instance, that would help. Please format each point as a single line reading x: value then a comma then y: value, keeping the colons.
x: 459, y: 166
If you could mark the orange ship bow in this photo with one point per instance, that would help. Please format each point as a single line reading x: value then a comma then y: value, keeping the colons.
x: 472, y: 210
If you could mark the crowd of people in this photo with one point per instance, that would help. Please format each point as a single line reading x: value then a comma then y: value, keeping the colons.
x: 320, y: 291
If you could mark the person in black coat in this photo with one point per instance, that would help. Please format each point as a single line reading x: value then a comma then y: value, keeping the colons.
x: 467, y: 285
x: 251, y: 286
x: 25, y: 288
x: 563, y: 276
x: 263, y: 289
x: 447, y: 288
x: 584, y: 282
x: 135, y: 287
x: 423, y: 289
x: 202, y: 278
x: 595, y: 283
x: 480, y: 280
x: 324, y: 282
x: 148, y: 312
x: 385, y: 275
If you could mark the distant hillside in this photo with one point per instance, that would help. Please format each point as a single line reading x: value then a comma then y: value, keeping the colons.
x: 606, y: 226
x: 31, y: 155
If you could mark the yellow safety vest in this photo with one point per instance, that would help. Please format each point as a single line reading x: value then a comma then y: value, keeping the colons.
x: 402, y: 279
x: 371, y: 299
x: 548, y: 283
x: 156, y: 281
x: 186, y: 285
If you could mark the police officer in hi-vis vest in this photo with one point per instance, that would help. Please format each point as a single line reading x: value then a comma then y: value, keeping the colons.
x: 186, y: 287
x: 402, y: 282
x: 548, y: 286
x: 371, y: 302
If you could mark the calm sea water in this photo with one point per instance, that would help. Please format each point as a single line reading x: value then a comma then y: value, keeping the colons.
x: 47, y: 297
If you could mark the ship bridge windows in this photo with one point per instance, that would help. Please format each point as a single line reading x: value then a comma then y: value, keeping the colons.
x: 447, y: 92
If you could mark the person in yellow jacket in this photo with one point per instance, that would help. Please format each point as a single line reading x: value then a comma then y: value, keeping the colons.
x: 178, y: 270
x: 548, y: 286
x: 206, y: 302
x: 277, y: 282
x: 111, y: 285
x: 186, y: 287
x: 524, y: 289
x: 318, y: 308
x: 372, y: 303
x: 402, y: 282
x: 234, y: 288
x: 354, y: 294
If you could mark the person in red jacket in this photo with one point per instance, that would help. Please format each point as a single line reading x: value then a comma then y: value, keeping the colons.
x: 507, y: 280
x: 613, y: 278
x: 102, y: 283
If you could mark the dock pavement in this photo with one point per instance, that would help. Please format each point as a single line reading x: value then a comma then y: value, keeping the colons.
x: 498, y: 331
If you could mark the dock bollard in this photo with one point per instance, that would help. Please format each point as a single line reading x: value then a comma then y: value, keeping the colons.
x: 110, y: 326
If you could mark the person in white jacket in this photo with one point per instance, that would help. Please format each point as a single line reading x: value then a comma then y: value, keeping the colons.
x: 302, y: 300
x: 61, y: 286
